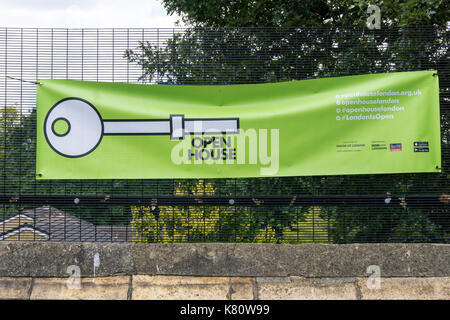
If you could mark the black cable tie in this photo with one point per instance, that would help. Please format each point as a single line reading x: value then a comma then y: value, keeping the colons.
x: 27, y: 81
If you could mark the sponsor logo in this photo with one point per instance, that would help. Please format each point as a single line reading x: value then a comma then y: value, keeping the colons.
x: 379, y: 146
x: 396, y: 147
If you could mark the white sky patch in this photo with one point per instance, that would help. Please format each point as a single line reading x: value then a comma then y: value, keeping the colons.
x: 85, y: 14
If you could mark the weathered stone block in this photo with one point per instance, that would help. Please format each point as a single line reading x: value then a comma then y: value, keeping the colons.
x: 190, y: 288
x: 51, y: 259
x: 14, y: 288
x: 106, y: 288
x: 242, y: 289
x: 307, y: 289
x: 432, y: 288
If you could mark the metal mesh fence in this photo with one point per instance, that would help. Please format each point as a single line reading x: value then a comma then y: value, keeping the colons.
x: 318, y: 209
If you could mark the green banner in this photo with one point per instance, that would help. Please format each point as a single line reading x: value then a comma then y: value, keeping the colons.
x: 366, y: 124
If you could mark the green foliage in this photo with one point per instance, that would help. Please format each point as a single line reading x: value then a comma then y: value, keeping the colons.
x: 313, y: 227
x: 288, y: 13
x: 223, y: 224
x: 188, y: 224
x: 9, y: 117
x: 18, y: 149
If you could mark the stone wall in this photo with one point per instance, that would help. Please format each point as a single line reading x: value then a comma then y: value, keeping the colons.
x: 50, y: 270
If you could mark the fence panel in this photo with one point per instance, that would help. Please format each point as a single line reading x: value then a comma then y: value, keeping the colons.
x: 319, y: 209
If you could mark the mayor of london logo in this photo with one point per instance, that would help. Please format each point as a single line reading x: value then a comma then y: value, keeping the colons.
x: 74, y: 128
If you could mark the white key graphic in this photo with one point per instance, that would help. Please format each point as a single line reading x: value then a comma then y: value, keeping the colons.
x: 85, y: 128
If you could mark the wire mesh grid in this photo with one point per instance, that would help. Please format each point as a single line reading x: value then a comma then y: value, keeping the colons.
x: 318, y: 209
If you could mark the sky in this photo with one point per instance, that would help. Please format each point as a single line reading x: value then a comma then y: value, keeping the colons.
x: 85, y: 14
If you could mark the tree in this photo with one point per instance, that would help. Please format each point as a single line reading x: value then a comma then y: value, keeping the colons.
x: 294, y: 13
x: 18, y: 145
x: 189, y: 224
x: 9, y: 117
x: 213, y: 50
x: 168, y: 224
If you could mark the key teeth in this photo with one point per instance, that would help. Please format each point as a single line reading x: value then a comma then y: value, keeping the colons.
x: 177, y: 126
